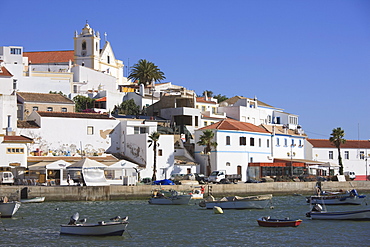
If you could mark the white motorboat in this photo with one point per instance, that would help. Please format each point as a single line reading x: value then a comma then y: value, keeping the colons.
x: 170, y: 197
x: 317, y: 213
x: 116, y: 227
x: 197, y: 193
x: 237, y: 202
x: 8, y: 209
x: 33, y: 200
x: 340, y: 198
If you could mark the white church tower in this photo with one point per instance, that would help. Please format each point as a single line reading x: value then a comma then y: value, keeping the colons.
x: 87, y: 48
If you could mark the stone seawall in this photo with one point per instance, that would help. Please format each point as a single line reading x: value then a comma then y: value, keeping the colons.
x: 102, y: 193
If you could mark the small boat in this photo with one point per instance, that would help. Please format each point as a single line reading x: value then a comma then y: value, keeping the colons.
x: 171, y: 197
x: 337, y: 198
x: 197, y: 194
x: 113, y: 228
x: 8, y: 209
x: 317, y: 213
x: 267, y: 221
x: 238, y: 202
x: 35, y: 199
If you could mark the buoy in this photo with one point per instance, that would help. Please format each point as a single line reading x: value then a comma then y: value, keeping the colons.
x: 217, y: 210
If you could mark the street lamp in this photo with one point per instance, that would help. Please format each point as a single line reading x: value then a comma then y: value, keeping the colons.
x: 291, y: 154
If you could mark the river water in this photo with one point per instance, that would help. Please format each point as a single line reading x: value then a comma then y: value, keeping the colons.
x: 181, y: 225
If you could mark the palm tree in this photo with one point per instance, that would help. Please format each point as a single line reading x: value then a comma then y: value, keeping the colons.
x: 206, y: 140
x: 146, y: 72
x: 153, y: 140
x: 337, y: 139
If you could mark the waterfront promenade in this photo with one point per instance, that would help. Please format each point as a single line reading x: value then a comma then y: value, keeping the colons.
x: 117, y: 192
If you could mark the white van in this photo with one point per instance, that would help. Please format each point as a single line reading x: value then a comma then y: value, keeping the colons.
x: 351, y: 175
x: 6, y: 178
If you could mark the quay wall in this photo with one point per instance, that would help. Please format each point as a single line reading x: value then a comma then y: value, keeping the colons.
x: 117, y: 192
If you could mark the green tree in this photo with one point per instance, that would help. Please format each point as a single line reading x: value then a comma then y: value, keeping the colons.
x: 337, y: 139
x: 83, y: 103
x: 127, y: 107
x: 60, y: 92
x: 208, y: 93
x: 207, y: 140
x: 146, y: 72
x: 153, y: 141
x: 220, y: 98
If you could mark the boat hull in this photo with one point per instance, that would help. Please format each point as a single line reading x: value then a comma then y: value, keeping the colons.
x: 253, y: 202
x: 33, y: 200
x: 278, y: 222
x: 107, y: 229
x: 176, y: 200
x: 335, y: 200
x: 341, y: 215
x: 8, y: 209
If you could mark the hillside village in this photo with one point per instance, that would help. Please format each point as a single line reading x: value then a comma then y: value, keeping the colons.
x: 42, y: 135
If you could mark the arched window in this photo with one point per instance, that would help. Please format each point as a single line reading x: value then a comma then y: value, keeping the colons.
x: 84, y: 45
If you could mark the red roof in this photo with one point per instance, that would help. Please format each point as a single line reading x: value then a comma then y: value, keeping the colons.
x: 17, y: 139
x: 231, y: 124
x: 43, y: 57
x: 4, y: 72
x: 102, y: 99
x: 325, y: 143
x: 203, y: 100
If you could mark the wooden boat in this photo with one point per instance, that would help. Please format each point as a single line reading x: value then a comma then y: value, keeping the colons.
x: 8, y: 209
x: 112, y: 228
x: 171, y: 197
x: 317, y: 213
x: 340, y: 198
x: 268, y: 222
x: 33, y: 200
x: 237, y: 202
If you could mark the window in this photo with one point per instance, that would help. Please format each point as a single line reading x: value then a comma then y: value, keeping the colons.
x: 15, y: 51
x: 96, y: 46
x: 285, y: 142
x: 242, y: 141
x: 205, y: 123
x: 228, y: 164
x: 83, y: 45
x: 292, y: 142
x: 50, y: 108
x: 139, y: 130
x: 64, y: 109
x: 259, y: 142
x: 277, y: 142
x: 251, y: 141
x: 136, y: 130
x: 203, y: 108
x: 108, y: 59
x: 160, y: 152
x: 142, y: 130
x: 300, y: 143
x: 15, y: 150
x: 227, y: 140
x: 277, y: 120
x: 268, y: 143
x: 330, y: 155
x: 362, y: 155
x: 214, y: 110
x: 35, y: 108
x: 14, y: 84
x: 346, y: 155
x: 269, y: 119
x: 90, y: 130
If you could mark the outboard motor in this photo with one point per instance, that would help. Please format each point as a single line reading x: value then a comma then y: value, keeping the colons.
x: 73, y: 219
x: 317, y: 208
x: 354, y: 192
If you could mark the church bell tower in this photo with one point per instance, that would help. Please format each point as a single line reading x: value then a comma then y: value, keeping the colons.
x: 87, y: 47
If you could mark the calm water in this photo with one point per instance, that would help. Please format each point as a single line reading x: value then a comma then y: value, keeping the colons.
x: 160, y: 225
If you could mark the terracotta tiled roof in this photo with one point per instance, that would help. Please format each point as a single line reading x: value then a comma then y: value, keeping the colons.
x: 279, y: 130
x: 4, y: 72
x: 44, y: 57
x: 73, y: 115
x: 17, y: 139
x: 231, y: 124
x: 45, y: 98
x: 325, y: 143
x: 203, y: 100
x: 27, y: 124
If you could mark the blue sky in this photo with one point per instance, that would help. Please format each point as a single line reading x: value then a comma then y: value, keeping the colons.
x: 311, y: 58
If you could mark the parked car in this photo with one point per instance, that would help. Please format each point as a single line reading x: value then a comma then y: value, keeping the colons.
x: 201, y: 178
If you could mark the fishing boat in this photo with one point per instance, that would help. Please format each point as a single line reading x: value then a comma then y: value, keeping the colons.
x: 317, y: 213
x: 268, y: 222
x: 8, y: 208
x: 337, y: 198
x: 33, y: 200
x: 238, y: 202
x: 171, y: 197
x: 113, y: 228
